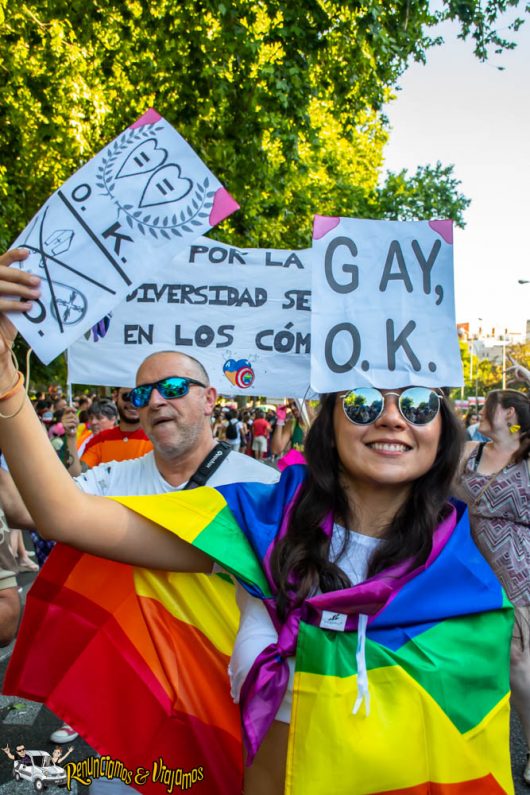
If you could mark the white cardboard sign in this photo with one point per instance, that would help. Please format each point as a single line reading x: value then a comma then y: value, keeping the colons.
x: 383, y: 305
x: 125, y: 214
x: 244, y: 313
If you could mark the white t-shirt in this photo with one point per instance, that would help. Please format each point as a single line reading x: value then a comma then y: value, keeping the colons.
x: 140, y: 476
x: 256, y: 630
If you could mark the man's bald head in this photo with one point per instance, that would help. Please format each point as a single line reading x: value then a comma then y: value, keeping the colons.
x: 191, y: 366
x: 179, y: 427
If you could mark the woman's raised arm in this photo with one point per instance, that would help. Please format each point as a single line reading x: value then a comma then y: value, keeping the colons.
x: 60, y: 510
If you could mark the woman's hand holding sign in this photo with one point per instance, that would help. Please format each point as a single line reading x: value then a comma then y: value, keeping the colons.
x: 17, y: 289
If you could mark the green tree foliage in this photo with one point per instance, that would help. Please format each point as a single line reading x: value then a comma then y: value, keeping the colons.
x: 482, y: 375
x: 282, y: 100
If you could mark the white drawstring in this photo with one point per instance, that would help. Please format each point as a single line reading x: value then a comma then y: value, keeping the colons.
x: 363, y: 693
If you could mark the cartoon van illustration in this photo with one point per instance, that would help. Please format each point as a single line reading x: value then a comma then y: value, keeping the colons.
x: 39, y: 768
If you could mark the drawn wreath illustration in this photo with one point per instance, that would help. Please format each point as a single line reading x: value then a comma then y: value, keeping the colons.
x: 164, y: 185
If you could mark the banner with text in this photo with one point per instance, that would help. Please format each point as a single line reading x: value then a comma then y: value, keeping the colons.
x: 245, y: 314
x: 120, y: 218
x: 383, y: 304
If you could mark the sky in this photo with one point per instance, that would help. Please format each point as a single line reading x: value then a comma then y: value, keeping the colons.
x: 461, y: 111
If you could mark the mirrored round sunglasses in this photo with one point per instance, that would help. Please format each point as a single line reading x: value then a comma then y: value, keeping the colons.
x: 418, y: 405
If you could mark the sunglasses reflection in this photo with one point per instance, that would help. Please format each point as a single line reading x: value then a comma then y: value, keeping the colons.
x: 417, y: 405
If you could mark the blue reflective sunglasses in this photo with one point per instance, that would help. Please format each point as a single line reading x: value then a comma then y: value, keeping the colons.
x: 175, y: 386
x: 418, y: 405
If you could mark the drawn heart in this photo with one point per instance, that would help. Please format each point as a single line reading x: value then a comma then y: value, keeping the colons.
x: 165, y: 186
x: 231, y: 377
x: 143, y: 159
x: 239, y: 373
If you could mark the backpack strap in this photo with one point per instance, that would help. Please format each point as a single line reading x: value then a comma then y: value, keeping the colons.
x: 209, y: 465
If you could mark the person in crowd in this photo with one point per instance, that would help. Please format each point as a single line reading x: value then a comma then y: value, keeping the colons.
x: 289, y: 431
x: 246, y: 432
x: 20, y: 553
x: 494, y: 481
x: 44, y: 412
x: 261, y: 430
x: 471, y: 424
x: 83, y: 431
x: 234, y: 430
x: 471, y: 417
x: 125, y: 440
x: 9, y: 598
x: 371, y: 511
x: 219, y: 424
x: 102, y: 416
x: 59, y: 404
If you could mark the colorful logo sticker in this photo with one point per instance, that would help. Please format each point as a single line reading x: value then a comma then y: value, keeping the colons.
x: 239, y: 373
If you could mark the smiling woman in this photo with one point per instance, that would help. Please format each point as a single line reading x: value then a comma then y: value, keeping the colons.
x: 383, y: 477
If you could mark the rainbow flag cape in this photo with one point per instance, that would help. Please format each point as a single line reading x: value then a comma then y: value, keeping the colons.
x: 436, y: 658
x: 136, y: 665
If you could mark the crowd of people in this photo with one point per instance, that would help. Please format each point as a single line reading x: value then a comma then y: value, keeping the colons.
x: 370, y: 508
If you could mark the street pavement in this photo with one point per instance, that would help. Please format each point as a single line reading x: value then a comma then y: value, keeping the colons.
x: 29, y: 723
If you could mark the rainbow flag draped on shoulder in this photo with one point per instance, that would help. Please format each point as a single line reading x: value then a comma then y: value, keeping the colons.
x: 137, y: 660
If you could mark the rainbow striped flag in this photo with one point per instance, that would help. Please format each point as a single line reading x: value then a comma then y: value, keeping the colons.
x: 437, y: 657
x: 136, y: 665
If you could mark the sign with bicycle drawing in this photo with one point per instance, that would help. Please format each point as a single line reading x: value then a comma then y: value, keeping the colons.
x: 123, y: 216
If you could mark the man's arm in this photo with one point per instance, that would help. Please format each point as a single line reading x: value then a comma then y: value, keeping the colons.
x: 7, y: 752
x: 518, y: 372
x: 70, y: 422
x: 281, y: 436
x: 17, y: 514
x: 92, y: 453
x: 9, y: 614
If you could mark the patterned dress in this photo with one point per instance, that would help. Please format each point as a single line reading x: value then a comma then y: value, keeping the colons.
x: 500, y: 522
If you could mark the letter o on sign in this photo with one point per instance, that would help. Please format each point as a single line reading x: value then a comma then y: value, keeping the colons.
x: 349, y: 364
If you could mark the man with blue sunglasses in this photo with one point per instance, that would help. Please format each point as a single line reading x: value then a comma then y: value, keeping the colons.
x: 175, y: 403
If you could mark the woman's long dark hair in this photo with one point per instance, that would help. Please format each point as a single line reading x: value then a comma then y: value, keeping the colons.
x: 510, y: 398
x: 300, y: 562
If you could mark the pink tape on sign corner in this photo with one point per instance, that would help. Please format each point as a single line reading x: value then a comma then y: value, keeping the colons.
x: 149, y: 117
x: 322, y: 224
x: 444, y: 229
x: 223, y: 206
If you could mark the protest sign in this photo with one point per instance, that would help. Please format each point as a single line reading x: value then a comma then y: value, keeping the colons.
x: 125, y: 214
x: 244, y: 313
x: 383, y: 304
